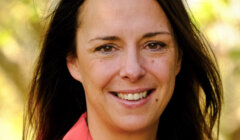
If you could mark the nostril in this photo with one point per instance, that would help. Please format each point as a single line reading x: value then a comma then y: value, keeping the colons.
x: 132, y: 76
x: 131, y: 68
x: 132, y: 73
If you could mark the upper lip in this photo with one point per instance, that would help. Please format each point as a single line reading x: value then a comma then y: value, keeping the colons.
x: 128, y: 91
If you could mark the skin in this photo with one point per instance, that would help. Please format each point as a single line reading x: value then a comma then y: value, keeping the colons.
x: 128, y: 47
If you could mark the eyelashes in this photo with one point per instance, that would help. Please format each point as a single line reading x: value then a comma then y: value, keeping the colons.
x: 151, y: 46
x: 106, y: 49
x: 154, y: 45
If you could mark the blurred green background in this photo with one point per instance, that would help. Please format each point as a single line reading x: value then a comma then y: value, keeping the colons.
x: 22, y: 23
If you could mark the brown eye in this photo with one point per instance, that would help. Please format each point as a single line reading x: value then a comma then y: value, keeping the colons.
x: 105, y: 49
x: 155, y: 46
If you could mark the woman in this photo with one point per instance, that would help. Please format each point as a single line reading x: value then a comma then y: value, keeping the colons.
x: 113, y: 69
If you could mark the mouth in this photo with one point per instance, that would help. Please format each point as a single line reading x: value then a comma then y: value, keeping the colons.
x: 135, y: 96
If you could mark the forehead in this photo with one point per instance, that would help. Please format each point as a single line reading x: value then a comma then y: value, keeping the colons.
x: 123, y: 14
x: 119, y: 6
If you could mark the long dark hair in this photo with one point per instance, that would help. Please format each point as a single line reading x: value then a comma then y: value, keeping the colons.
x: 56, y: 100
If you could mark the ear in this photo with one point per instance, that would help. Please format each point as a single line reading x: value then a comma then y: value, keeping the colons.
x: 73, y: 68
x: 179, y: 61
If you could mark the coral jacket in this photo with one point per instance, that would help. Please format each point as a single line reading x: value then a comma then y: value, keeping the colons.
x: 79, y: 131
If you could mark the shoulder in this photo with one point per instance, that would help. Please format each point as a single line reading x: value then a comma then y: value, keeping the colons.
x: 79, y: 130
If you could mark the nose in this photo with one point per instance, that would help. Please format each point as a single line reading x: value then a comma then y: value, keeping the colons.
x: 131, y: 68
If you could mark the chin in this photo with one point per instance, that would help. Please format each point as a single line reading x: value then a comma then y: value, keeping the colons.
x: 135, y: 123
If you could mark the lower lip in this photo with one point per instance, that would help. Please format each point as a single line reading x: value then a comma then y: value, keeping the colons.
x: 133, y: 104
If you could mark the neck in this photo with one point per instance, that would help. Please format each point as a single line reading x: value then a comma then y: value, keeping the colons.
x: 100, y: 131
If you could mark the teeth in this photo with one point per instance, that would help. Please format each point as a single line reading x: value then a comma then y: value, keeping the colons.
x: 132, y: 96
x: 136, y: 96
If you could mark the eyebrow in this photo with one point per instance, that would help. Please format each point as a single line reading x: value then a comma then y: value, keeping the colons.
x: 115, y: 38
x: 152, y: 34
x: 107, y: 38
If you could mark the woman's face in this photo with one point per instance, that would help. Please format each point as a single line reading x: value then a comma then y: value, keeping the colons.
x: 127, y: 61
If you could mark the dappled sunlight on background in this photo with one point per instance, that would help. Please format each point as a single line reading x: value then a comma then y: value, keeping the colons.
x: 220, y: 22
x: 22, y: 23
x: 20, y: 33
x: 11, y: 110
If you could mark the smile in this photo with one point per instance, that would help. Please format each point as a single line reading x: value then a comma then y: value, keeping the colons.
x: 132, y: 96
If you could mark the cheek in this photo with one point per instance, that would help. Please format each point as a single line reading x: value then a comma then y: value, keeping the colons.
x: 101, y: 72
x: 162, y: 68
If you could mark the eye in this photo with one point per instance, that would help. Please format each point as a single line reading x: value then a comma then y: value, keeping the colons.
x: 154, y: 45
x: 108, y: 48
